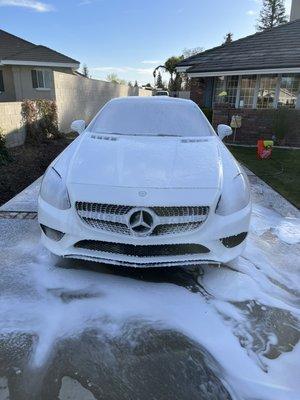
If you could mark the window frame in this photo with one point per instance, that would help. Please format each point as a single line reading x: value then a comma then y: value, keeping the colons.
x: 2, y: 86
x: 238, y: 98
x: 269, y: 89
x: 256, y: 91
x: 43, y: 72
x: 297, y: 94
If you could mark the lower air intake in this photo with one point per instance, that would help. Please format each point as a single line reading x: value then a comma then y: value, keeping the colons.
x: 143, y: 251
x: 233, y: 241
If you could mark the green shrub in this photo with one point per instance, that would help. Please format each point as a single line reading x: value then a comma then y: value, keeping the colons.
x: 281, y: 124
x: 208, y: 112
x: 40, y: 119
x: 4, y: 155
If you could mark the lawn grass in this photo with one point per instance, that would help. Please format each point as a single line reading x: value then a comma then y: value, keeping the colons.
x: 282, y: 171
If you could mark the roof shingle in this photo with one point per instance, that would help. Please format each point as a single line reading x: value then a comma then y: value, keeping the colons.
x: 17, y: 49
x: 274, y: 48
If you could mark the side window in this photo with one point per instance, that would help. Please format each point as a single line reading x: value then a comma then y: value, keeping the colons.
x: 41, y: 79
x: 1, y: 82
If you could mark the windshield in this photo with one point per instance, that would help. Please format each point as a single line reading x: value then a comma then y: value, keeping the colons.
x: 152, y: 117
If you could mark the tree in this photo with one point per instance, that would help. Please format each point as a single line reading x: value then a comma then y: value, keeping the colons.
x: 170, y: 66
x: 177, y: 82
x: 85, y: 71
x: 159, y: 82
x: 228, y: 38
x: 136, y: 84
x: 272, y: 14
x: 186, y: 53
x: 115, y: 79
x: 130, y: 84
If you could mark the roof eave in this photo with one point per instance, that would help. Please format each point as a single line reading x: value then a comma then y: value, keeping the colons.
x: 183, y: 68
x: 261, y: 71
x: 73, y: 65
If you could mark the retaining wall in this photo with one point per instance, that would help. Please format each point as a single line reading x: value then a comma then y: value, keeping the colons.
x: 11, y: 123
x: 81, y: 98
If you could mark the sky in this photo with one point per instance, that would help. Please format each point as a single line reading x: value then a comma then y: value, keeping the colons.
x: 128, y: 37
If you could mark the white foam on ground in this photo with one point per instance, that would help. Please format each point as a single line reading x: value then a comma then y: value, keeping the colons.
x: 214, y: 323
x: 264, y: 219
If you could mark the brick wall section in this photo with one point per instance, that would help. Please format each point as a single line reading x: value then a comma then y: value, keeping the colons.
x: 197, y: 91
x: 81, y: 98
x: 257, y: 123
x: 11, y: 123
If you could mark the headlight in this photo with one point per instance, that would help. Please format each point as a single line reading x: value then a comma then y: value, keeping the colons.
x: 235, y: 196
x: 54, y: 191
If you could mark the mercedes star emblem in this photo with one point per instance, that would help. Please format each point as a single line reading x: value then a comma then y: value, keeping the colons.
x: 141, y: 222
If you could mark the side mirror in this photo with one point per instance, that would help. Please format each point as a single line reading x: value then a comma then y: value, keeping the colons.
x: 78, y: 126
x: 223, y: 131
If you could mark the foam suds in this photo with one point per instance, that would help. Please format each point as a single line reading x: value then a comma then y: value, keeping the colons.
x: 55, y: 303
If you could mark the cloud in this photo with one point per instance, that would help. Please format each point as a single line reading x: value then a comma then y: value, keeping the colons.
x: 251, y: 12
x: 146, y: 71
x: 33, y: 4
x: 154, y: 62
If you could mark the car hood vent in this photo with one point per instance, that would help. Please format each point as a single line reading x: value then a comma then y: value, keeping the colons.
x: 193, y: 140
x: 102, y: 137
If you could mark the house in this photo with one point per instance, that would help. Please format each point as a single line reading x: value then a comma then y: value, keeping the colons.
x: 29, y: 71
x: 253, y: 77
x: 26, y: 69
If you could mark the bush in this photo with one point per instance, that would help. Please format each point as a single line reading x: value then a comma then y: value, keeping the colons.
x: 4, y: 155
x: 208, y: 112
x: 281, y: 124
x: 40, y: 119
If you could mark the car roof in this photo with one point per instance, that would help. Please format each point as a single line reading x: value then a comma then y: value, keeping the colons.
x: 152, y: 100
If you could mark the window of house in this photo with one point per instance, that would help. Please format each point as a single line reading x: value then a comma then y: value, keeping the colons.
x: 231, y: 89
x: 247, y: 91
x: 41, y: 79
x: 289, y: 90
x: 220, y: 90
x: 267, y: 91
x: 1, y: 82
x: 226, y: 89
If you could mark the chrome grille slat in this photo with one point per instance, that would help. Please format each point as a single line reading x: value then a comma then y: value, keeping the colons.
x: 175, y: 228
x: 179, y: 211
x: 169, y: 220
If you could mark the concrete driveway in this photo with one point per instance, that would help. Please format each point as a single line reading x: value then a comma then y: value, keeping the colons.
x: 82, y: 331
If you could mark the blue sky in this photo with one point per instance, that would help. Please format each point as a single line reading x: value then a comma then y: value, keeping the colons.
x: 128, y: 37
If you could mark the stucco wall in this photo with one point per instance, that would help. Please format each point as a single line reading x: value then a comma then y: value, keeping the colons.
x: 9, y: 87
x: 24, y: 88
x: 181, y: 94
x: 81, y: 98
x: 295, y: 11
x: 11, y: 123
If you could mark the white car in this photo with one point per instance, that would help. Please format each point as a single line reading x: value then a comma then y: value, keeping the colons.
x: 148, y: 183
x: 161, y: 93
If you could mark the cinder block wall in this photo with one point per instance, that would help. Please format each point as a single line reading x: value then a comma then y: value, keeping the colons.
x: 81, y: 98
x: 11, y: 123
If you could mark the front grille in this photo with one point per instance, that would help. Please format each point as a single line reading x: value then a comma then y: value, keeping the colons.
x: 143, y: 251
x: 233, y: 241
x: 102, y: 208
x: 168, y: 220
x: 179, y: 211
x: 109, y: 226
x: 168, y: 229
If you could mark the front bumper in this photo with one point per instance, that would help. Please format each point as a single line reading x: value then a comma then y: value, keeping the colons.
x: 209, y: 235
